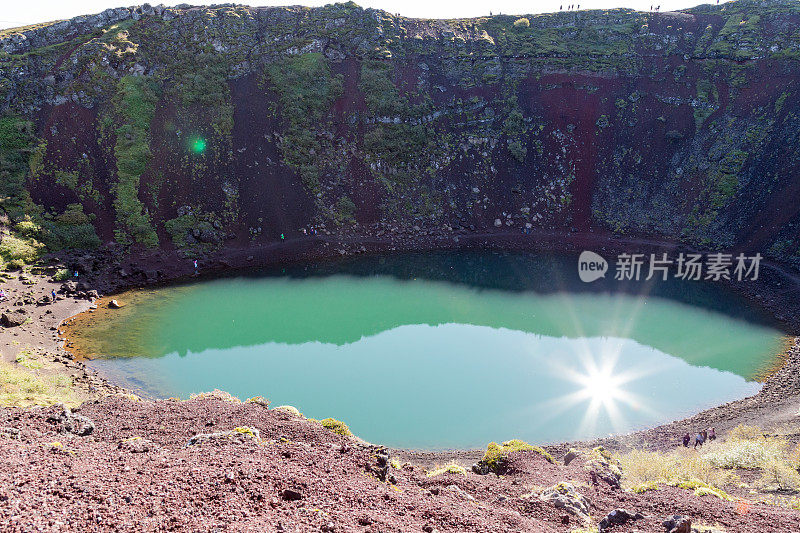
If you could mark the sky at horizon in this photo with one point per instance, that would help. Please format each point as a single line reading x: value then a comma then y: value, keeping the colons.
x: 36, y: 11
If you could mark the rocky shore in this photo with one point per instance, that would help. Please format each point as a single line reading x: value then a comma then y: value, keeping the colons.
x: 214, y: 463
x: 334, y: 473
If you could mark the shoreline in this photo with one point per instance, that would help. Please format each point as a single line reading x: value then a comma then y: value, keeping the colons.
x: 761, y: 293
x: 769, y: 295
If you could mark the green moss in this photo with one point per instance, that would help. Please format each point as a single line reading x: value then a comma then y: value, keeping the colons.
x: 36, y: 162
x: 738, y: 37
x: 496, y: 455
x: 182, y: 228
x: 708, y: 98
x: 604, y: 43
x: 337, y: 426
x: 134, y: 108
x: 200, y: 82
x: 71, y: 229
x: 451, y: 468
x: 398, y: 142
x: 380, y: 93
x: 345, y: 212
x: 81, y: 186
x: 16, y: 140
x: 306, y: 89
x: 780, y: 101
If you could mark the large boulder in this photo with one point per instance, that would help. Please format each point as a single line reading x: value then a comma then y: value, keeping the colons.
x: 571, y: 455
x: 677, y: 524
x: 565, y: 496
x: 68, y: 287
x: 617, y: 517
x: 238, y: 435
x: 71, y: 422
x: 602, y: 465
x: 13, y: 318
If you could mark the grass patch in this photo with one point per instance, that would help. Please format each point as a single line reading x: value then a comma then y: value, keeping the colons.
x: 714, y: 465
x: 673, y: 468
x: 641, y: 488
x: 450, y: 468
x: 22, y: 387
x: 28, y: 360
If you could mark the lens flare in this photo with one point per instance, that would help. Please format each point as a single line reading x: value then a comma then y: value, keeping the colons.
x: 597, y: 390
x: 199, y: 145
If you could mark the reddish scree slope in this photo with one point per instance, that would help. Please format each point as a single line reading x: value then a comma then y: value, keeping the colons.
x: 95, y: 484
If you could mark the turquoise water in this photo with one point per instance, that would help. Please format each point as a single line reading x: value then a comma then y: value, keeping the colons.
x: 451, y: 359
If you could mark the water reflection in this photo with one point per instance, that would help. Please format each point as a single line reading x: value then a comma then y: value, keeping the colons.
x: 340, y: 310
x: 453, y: 385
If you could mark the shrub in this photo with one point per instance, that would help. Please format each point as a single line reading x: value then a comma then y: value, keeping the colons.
x: 345, y: 212
x: 640, y: 467
x: 711, y: 491
x: 522, y: 23
x: 62, y: 274
x: 496, y: 455
x: 518, y: 150
x: 27, y: 228
x: 216, y: 394
x: 18, y: 251
x: 779, y: 475
x: 337, y: 426
x: 747, y: 454
x: 71, y: 229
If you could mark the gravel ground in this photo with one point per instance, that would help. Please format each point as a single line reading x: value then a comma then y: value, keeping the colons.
x: 136, y: 472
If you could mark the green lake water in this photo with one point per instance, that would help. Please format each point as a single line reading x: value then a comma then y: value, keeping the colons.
x: 444, y: 350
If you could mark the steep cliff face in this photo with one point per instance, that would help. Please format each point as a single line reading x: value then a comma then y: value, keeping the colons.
x: 201, y: 127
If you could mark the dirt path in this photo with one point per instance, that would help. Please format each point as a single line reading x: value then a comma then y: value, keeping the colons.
x: 36, y: 345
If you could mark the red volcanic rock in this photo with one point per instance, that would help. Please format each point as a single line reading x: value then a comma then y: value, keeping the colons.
x: 266, y: 471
